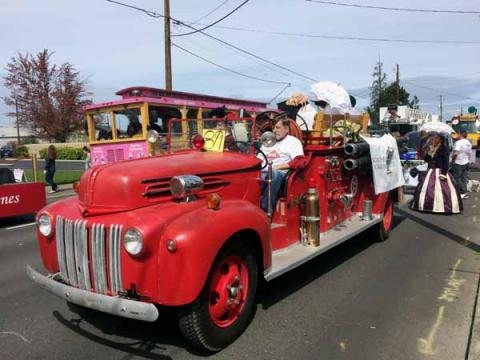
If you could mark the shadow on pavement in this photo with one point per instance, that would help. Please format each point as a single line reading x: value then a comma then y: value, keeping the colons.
x: 141, y: 339
x: 448, y: 234
x: 16, y: 220
x: 283, y: 286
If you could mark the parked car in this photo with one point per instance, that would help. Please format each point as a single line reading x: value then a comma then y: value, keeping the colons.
x: 6, y: 151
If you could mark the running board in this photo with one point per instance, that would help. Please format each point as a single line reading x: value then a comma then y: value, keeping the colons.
x: 297, y: 254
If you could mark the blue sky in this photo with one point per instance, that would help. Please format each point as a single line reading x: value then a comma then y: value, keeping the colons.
x: 115, y: 47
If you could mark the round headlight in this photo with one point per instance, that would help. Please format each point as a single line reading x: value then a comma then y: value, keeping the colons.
x: 133, y: 241
x: 185, y: 185
x: 268, y: 139
x: 44, y: 224
x: 152, y: 136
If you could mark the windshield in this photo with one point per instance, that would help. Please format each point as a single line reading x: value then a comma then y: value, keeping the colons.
x: 468, y: 126
x: 219, y: 134
x: 126, y: 122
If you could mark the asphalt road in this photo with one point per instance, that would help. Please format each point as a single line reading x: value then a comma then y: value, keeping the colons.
x: 411, y: 297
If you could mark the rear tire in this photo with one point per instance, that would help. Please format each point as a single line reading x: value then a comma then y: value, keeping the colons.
x: 225, y: 306
x: 381, y: 231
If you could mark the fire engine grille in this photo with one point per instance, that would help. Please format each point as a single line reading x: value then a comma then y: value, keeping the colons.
x: 89, y: 257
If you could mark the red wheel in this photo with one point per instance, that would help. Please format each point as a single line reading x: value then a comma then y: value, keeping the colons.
x: 228, y: 291
x: 226, y: 305
x: 384, y: 228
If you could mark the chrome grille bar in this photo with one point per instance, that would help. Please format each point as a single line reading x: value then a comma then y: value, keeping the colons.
x: 79, y: 247
x: 114, y: 256
x: 81, y: 254
x: 70, y: 253
x: 61, y: 248
x: 98, y: 258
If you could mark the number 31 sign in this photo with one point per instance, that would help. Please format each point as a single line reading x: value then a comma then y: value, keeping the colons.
x: 214, y: 139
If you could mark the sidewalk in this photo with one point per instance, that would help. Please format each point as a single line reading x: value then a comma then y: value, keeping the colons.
x: 474, y: 343
x: 64, y: 190
x: 474, y: 349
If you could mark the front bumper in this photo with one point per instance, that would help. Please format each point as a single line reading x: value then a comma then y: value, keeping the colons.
x: 108, y: 304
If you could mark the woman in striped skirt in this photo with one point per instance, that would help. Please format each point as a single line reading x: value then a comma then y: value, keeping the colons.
x: 437, y: 191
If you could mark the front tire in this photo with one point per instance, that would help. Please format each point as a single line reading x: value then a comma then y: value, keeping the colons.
x: 225, y: 306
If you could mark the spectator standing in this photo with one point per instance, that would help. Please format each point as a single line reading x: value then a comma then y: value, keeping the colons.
x: 461, y: 158
x: 50, y: 168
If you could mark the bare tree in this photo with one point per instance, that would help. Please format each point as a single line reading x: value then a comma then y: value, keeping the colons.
x: 49, y: 98
x: 376, y: 90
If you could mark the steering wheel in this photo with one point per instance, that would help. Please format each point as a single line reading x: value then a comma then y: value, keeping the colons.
x: 265, y: 163
x: 264, y: 120
x: 303, y: 126
x: 241, y: 146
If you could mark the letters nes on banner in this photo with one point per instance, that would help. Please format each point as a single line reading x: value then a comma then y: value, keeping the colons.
x: 386, y: 166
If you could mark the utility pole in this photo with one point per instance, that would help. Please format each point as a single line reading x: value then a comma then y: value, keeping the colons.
x: 168, y: 54
x: 397, y: 96
x: 441, y: 108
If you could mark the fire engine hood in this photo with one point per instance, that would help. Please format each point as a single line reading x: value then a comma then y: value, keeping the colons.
x: 132, y: 184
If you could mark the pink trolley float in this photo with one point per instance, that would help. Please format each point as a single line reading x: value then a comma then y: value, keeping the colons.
x: 136, y: 125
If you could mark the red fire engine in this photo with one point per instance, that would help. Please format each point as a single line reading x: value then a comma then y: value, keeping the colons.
x: 186, y: 230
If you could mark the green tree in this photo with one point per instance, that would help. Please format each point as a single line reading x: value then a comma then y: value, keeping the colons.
x: 49, y: 99
x: 382, y: 94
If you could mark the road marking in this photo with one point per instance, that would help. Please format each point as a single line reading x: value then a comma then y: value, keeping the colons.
x: 425, y: 346
x: 15, y: 334
x: 19, y: 226
x: 450, y: 293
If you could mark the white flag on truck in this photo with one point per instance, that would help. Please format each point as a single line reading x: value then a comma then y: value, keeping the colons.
x: 386, y: 166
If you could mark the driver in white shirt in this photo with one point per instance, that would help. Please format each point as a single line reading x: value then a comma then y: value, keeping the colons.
x: 280, y: 155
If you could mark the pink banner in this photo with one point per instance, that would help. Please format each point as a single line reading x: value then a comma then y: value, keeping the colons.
x: 112, y: 152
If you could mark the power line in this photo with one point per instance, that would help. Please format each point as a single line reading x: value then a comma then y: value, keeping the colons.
x: 215, y: 22
x: 147, y: 12
x: 179, y: 22
x: 258, y: 57
x: 210, y: 12
x: 443, y: 92
x: 468, y: 12
x: 354, y: 38
x: 254, y: 67
x: 230, y: 70
x: 280, y: 93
